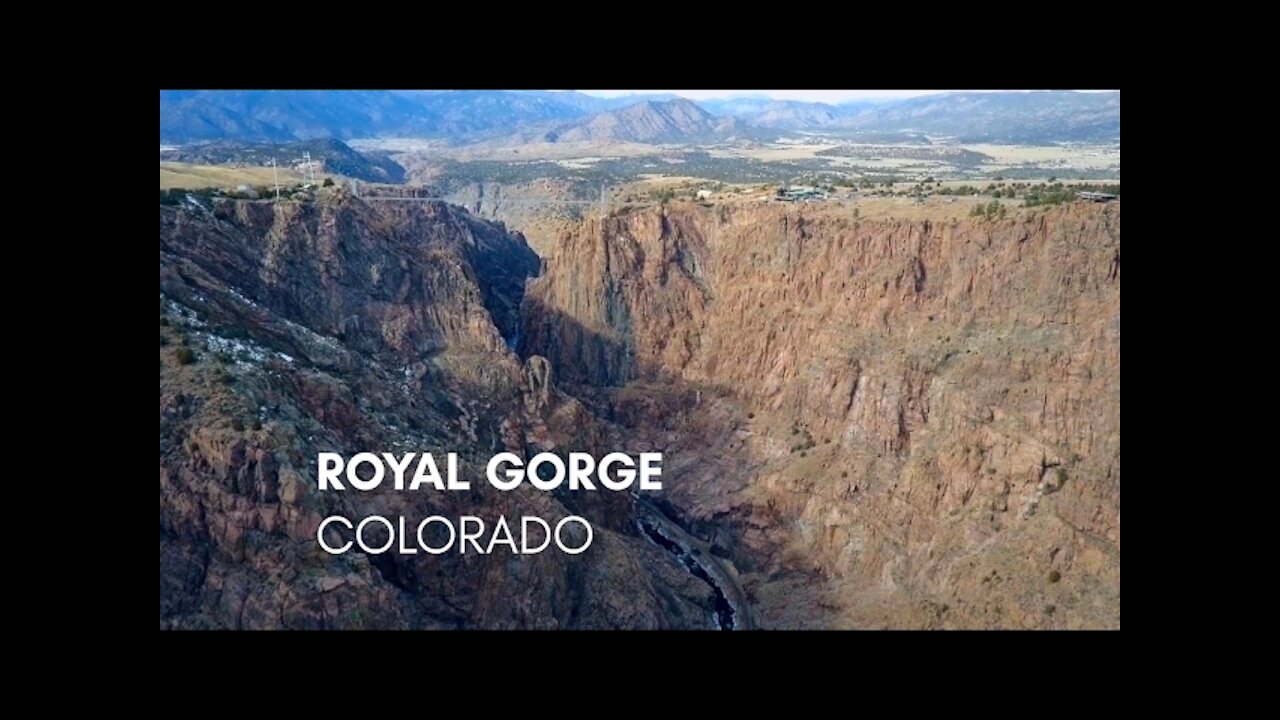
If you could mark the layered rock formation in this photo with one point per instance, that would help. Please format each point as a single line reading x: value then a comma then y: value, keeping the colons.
x: 290, y: 329
x: 865, y: 424
x: 883, y: 424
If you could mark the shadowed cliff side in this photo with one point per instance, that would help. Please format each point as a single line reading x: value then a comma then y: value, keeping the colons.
x: 288, y: 329
x: 904, y: 424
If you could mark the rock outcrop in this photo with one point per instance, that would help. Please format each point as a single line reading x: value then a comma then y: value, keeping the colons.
x: 289, y: 329
x: 902, y: 424
x: 864, y: 424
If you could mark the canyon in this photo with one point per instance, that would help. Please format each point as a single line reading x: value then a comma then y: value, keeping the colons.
x: 863, y: 423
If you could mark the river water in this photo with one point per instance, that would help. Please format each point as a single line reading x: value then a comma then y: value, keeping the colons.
x: 724, y: 617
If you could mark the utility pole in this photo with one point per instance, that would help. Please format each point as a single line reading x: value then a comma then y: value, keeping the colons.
x: 275, y: 176
x: 311, y: 173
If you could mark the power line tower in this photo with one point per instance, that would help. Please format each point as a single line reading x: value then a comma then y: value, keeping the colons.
x: 311, y: 171
x: 275, y: 176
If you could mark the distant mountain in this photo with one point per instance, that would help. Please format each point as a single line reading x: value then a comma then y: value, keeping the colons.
x: 333, y: 155
x: 763, y: 112
x: 590, y: 104
x: 644, y: 122
x: 795, y: 115
x: 266, y: 115
x: 1022, y: 117
x: 739, y: 107
x: 459, y: 113
x: 185, y: 117
x: 275, y: 115
x: 188, y: 116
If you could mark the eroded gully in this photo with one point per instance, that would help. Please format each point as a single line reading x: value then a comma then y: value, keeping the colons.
x: 730, y: 607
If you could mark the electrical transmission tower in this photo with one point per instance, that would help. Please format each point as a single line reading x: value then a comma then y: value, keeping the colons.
x: 275, y: 176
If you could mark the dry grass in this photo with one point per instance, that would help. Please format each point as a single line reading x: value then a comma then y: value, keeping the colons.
x: 194, y: 177
x: 503, y: 151
x: 776, y: 152
x: 1060, y: 156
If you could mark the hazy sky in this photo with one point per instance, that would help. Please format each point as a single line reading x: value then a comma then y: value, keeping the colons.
x: 826, y: 96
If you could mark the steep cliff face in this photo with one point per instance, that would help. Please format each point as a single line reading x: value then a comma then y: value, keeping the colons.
x: 292, y: 329
x: 871, y: 423
x: 883, y: 423
x: 542, y: 210
x: 623, y: 298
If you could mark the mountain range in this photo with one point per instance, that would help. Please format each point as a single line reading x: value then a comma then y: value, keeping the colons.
x: 647, y: 121
x: 461, y: 116
x: 332, y: 155
x: 1010, y: 116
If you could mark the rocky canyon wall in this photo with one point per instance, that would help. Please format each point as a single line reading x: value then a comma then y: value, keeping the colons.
x: 885, y: 424
x: 289, y: 329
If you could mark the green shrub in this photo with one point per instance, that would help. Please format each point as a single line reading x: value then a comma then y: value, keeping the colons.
x: 664, y: 196
x: 1054, y: 576
x: 257, y: 424
x: 328, y: 182
x: 185, y: 355
x: 237, y: 424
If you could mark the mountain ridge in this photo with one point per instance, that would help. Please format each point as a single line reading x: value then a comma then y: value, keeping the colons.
x: 646, y: 121
x: 333, y: 155
x: 463, y: 116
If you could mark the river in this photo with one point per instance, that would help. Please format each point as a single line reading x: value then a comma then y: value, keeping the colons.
x: 730, y: 607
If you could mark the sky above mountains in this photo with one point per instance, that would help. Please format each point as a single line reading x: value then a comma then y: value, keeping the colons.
x: 832, y: 97
x: 188, y: 116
